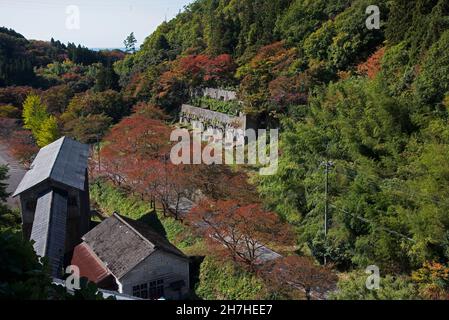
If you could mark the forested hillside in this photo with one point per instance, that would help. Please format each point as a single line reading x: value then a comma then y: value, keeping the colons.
x: 374, y: 102
x: 371, y: 104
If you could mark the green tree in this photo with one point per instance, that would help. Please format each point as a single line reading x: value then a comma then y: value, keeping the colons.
x: 433, y: 82
x: 9, y: 111
x: 48, y: 132
x: 43, y: 126
x: 21, y: 274
x: 88, y: 129
x: 57, y: 98
x: 24, y: 277
x: 106, y: 79
x: 109, y: 102
x: 8, y: 217
x: 363, y: 131
x: 353, y: 287
x: 130, y: 43
x: 34, y: 113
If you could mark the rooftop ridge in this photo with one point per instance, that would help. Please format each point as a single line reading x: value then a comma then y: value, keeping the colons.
x: 116, y: 215
x: 57, y: 154
x: 63, y: 161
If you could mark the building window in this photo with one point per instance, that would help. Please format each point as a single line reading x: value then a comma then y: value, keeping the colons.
x: 136, y: 291
x: 156, y: 289
x: 141, y: 291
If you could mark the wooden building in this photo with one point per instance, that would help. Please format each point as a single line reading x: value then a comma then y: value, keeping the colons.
x: 54, y: 200
x: 128, y: 256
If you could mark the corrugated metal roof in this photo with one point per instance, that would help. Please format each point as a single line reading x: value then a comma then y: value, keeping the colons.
x: 122, y: 244
x: 49, y: 228
x: 64, y: 161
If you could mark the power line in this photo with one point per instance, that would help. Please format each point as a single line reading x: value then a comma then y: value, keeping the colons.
x: 376, y: 225
x: 403, y: 191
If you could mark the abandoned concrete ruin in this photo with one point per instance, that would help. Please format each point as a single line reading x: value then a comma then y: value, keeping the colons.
x: 216, y: 122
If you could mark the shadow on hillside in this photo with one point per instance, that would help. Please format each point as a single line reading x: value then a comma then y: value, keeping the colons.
x: 194, y: 275
x: 153, y: 221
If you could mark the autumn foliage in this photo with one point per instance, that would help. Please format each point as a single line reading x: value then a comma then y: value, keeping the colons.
x: 23, y: 146
x: 16, y: 95
x: 267, y: 78
x: 136, y: 156
x: 204, y: 68
x: 433, y: 281
x: 239, y: 232
x: 372, y: 66
x: 292, y: 90
x: 134, y: 140
x: 193, y: 71
x: 20, y: 142
x: 301, y: 273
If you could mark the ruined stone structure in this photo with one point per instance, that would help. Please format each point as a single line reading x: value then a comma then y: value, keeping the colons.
x: 203, y: 119
x: 214, y: 122
x: 220, y: 94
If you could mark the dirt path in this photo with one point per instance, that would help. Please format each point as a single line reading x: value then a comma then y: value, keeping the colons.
x: 16, y: 173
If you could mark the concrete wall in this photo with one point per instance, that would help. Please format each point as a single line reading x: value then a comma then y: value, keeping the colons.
x: 189, y: 113
x: 212, y: 119
x: 159, y: 265
x: 220, y: 94
x: 204, y: 119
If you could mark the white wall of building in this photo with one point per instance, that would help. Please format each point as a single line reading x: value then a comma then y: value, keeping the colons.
x: 159, y: 265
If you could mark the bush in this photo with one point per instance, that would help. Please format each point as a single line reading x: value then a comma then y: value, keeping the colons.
x: 228, y: 107
x: 9, y: 111
x: 24, y: 277
x: 223, y: 281
x: 110, y: 200
x: 433, y: 82
x: 353, y: 287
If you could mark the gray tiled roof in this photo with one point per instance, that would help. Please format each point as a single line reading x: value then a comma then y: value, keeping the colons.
x: 63, y: 161
x: 49, y: 228
x: 123, y: 243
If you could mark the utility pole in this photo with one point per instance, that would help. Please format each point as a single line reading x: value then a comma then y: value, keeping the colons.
x: 98, y: 153
x: 327, y: 165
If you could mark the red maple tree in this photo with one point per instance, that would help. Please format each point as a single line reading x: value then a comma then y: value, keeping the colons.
x: 194, y: 71
x: 239, y: 232
x: 131, y: 143
x: 300, y: 273
x: 290, y: 90
x: 136, y: 155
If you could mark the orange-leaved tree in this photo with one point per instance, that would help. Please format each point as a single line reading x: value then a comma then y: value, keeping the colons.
x: 300, y: 273
x: 240, y: 232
